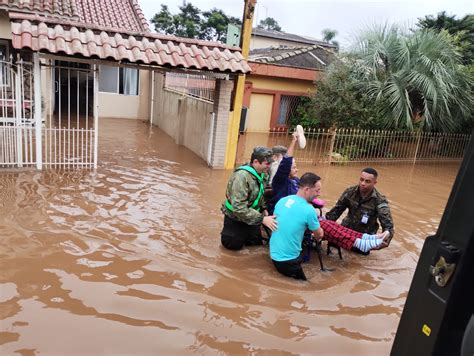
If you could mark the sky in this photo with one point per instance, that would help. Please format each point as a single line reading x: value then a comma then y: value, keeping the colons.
x: 310, y: 17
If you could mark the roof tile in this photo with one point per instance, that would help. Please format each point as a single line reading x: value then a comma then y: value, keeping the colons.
x: 121, y: 15
x: 148, y: 49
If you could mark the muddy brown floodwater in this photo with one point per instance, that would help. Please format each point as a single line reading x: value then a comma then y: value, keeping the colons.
x: 127, y: 260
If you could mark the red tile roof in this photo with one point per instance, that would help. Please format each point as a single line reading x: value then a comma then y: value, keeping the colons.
x: 55, y: 36
x: 121, y: 15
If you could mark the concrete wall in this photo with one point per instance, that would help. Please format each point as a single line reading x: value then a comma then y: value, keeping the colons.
x: 128, y: 106
x: 186, y: 119
x: 281, y: 84
x: 5, y: 28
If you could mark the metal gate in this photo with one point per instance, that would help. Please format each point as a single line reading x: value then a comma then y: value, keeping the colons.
x: 17, y: 135
x: 48, y: 114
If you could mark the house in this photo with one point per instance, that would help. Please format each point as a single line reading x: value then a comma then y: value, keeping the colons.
x: 65, y: 64
x: 280, y: 78
x: 262, y: 38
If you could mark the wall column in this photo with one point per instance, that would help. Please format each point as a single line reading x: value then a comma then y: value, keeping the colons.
x: 221, y: 123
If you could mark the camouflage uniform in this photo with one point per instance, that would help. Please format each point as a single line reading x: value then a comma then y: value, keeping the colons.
x: 375, y: 206
x: 242, y: 190
x: 242, y: 221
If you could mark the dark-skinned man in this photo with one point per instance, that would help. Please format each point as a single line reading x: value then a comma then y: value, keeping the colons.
x: 366, y: 207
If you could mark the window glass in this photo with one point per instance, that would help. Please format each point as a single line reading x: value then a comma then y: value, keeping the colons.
x: 128, y: 81
x: 108, y: 79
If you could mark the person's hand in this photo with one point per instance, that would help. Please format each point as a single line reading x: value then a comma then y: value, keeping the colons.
x: 317, y: 239
x: 270, y: 222
x: 295, y: 136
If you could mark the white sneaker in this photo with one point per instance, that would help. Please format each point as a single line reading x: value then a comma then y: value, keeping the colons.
x: 301, y: 137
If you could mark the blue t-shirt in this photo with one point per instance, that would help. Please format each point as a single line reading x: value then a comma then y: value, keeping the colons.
x: 294, y: 215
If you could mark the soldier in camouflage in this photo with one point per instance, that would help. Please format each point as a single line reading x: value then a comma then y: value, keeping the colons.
x: 367, y: 207
x: 245, y: 207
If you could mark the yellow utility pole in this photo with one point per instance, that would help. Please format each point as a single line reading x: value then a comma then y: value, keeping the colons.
x: 233, y: 130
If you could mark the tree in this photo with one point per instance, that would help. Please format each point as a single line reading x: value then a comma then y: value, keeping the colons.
x: 463, y: 28
x: 214, y: 25
x: 419, y: 75
x: 329, y: 35
x: 192, y: 23
x: 163, y: 21
x: 187, y: 23
x: 339, y: 102
x: 269, y: 24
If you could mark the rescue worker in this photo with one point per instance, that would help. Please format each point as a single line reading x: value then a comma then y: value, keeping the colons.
x: 245, y: 207
x: 367, y: 207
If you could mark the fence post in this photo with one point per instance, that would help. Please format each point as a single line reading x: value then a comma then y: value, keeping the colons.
x: 18, y: 119
x: 211, y: 138
x: 96, y: 113
x: 332, y: 131
x: 418, y: 139
x: 37, y: 106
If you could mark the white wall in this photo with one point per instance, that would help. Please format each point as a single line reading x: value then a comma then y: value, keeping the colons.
x: 127, y: 106
x: 186, y: 119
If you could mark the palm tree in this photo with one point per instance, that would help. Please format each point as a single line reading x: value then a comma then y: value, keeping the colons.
x: 418, y: 74
x: 329, y: 35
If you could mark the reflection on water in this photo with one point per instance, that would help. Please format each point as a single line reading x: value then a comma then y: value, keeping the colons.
x: 127, y: 259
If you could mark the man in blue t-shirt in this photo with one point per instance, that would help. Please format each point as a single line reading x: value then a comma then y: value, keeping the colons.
x: 295, y: 215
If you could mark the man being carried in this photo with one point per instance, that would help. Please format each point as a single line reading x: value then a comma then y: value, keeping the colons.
x: 366, y: 207
x: 295, y: 215
x: 245, y: 208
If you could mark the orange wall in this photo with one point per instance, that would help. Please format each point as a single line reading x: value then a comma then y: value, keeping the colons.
x: 265, y: 116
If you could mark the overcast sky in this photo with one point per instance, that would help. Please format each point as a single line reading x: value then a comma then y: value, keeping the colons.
x: 310, y: 17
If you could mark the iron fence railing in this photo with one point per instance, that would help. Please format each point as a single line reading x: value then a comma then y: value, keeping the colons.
x: 353, y: 145
x: 201, y: 86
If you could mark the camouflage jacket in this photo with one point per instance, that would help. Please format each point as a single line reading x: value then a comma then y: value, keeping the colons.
x: 242, y: 190
x: 375, y: 206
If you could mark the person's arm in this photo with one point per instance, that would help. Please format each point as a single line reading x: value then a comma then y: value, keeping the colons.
x: 318, y: 234
x: 337, y: 209
x: 284, y: 168
x: 282, y: 173
x: 385, y: 218
x: 313, y: 224
x: 291, y: 148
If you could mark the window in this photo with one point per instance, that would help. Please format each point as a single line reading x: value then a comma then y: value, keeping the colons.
x: 118, y: 80
x: 4, y: 68
x: 288, y: 108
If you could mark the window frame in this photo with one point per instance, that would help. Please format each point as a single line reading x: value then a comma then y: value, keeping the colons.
x: 118, y: 81
x: 6, y: 43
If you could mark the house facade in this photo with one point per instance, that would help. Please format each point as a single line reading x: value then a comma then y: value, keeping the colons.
x: 266, y: 38
x: 66, y: 64
x: 280, y: 78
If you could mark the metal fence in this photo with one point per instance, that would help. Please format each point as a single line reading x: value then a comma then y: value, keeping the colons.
x: 352, y: 145
x: 48, y: 127
x: 62, y: 148
x: 199, y: 86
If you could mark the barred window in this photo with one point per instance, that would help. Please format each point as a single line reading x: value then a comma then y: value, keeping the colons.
x: 288, y: 108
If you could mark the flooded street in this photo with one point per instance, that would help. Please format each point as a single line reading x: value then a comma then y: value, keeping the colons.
x: 128, y: 260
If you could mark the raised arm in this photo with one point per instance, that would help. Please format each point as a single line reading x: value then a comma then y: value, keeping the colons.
x: 291, y: 148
